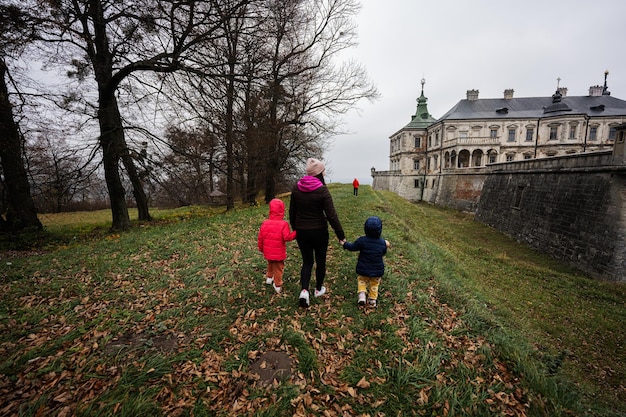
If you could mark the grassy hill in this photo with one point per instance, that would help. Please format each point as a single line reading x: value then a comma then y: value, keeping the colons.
x: 173, y: 318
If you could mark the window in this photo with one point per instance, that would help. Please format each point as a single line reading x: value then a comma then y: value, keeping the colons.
x: 527, y: 156
x: 509, y: 157
x: 418, y: 142
x: 394, y: 145
x: 492, y: 158
x: 511, y: 134
x: 437, y: 139
x: 530, y: 133
x: 593, y: 133
x: 416, y: 164
x: 493, y: 133
x: 572, y: 132
x: 517, y: 198
x: 612, y: 133
x: 553, y: 132
x: 416, y: 183
x: 463, y: 135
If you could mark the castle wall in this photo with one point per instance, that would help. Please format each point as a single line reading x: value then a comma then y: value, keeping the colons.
x: 460, y: 190
x: 573, y: 208
x: 393, y: 181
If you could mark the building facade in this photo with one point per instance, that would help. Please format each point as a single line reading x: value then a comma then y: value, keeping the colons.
x: 478, y: 132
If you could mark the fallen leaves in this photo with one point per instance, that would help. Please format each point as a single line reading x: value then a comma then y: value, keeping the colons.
x: 363, y: 383
x: 92, y: 343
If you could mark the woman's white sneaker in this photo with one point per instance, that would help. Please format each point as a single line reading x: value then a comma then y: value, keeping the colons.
x: 304, y: 298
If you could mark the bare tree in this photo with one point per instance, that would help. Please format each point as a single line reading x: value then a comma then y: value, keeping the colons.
x: 61, y: 176
x: 275, y: 87
x: 187, y: 171
x: 303, y: 84
x: 112, y: 40
x: 212, y: 94
x: 263, y: 80
x: 17, y: 30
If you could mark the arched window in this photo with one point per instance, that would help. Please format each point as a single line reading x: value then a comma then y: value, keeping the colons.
x: 464, y: 158
x: 477, y: 158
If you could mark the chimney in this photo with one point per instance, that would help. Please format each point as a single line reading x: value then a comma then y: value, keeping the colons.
x: 508, y: 93
x: 563, y: 91
x: 472, y: 94
x: 595, y: 91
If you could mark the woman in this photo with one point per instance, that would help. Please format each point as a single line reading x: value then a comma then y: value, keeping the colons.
x: 310, y: 210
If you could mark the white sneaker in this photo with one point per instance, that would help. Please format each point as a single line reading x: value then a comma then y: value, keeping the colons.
x: 362, y: 298
x: 277, y: 289
x: 371, y: 303
x: 304, y: 298
x: 269, y: 281
x: 321, y: 292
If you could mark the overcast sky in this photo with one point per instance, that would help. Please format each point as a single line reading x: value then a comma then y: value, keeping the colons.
x: 459, y: 45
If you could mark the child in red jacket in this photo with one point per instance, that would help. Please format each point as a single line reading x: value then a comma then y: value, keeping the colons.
x: 273, y: 235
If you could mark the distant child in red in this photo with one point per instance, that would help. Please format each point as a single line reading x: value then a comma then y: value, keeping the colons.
x: 273, y: 235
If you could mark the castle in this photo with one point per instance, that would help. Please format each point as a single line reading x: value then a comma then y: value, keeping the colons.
x: 477, y: 132
x: 547, y: 171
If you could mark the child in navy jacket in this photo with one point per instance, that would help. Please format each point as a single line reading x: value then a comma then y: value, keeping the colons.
x: 370, y: 266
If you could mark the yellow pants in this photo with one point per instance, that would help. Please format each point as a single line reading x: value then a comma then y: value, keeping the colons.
x: 369, y: 282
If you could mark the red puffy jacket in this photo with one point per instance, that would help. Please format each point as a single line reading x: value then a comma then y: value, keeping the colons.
x: 274, y: 232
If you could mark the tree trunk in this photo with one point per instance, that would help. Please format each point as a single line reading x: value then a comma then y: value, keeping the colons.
x: 273, y: 142
x: 21, y: 211
x: 109, y: 118
x: 270, y: 187
x: 252, y: 186
x: 270, y: 179
x: 230, y: 138
x: 110, y: 131
x: 138, y: 192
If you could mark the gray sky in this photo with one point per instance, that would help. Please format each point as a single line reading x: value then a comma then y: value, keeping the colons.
x: 459, y: 45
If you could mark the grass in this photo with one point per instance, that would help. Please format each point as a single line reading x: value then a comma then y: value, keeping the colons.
x: 165, y: 319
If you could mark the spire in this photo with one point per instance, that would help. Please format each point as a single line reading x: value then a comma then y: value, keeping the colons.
x: 421, y: 101
x: 556, y: 97
x: 557, y: 105
x: 605, y: 90
x: 421, y: 118
x: 422, y: 109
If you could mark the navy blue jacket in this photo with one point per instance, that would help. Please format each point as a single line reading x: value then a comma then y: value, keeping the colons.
x: 372, y: 249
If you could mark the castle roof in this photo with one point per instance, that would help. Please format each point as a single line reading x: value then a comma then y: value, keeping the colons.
x: 536, y: 107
